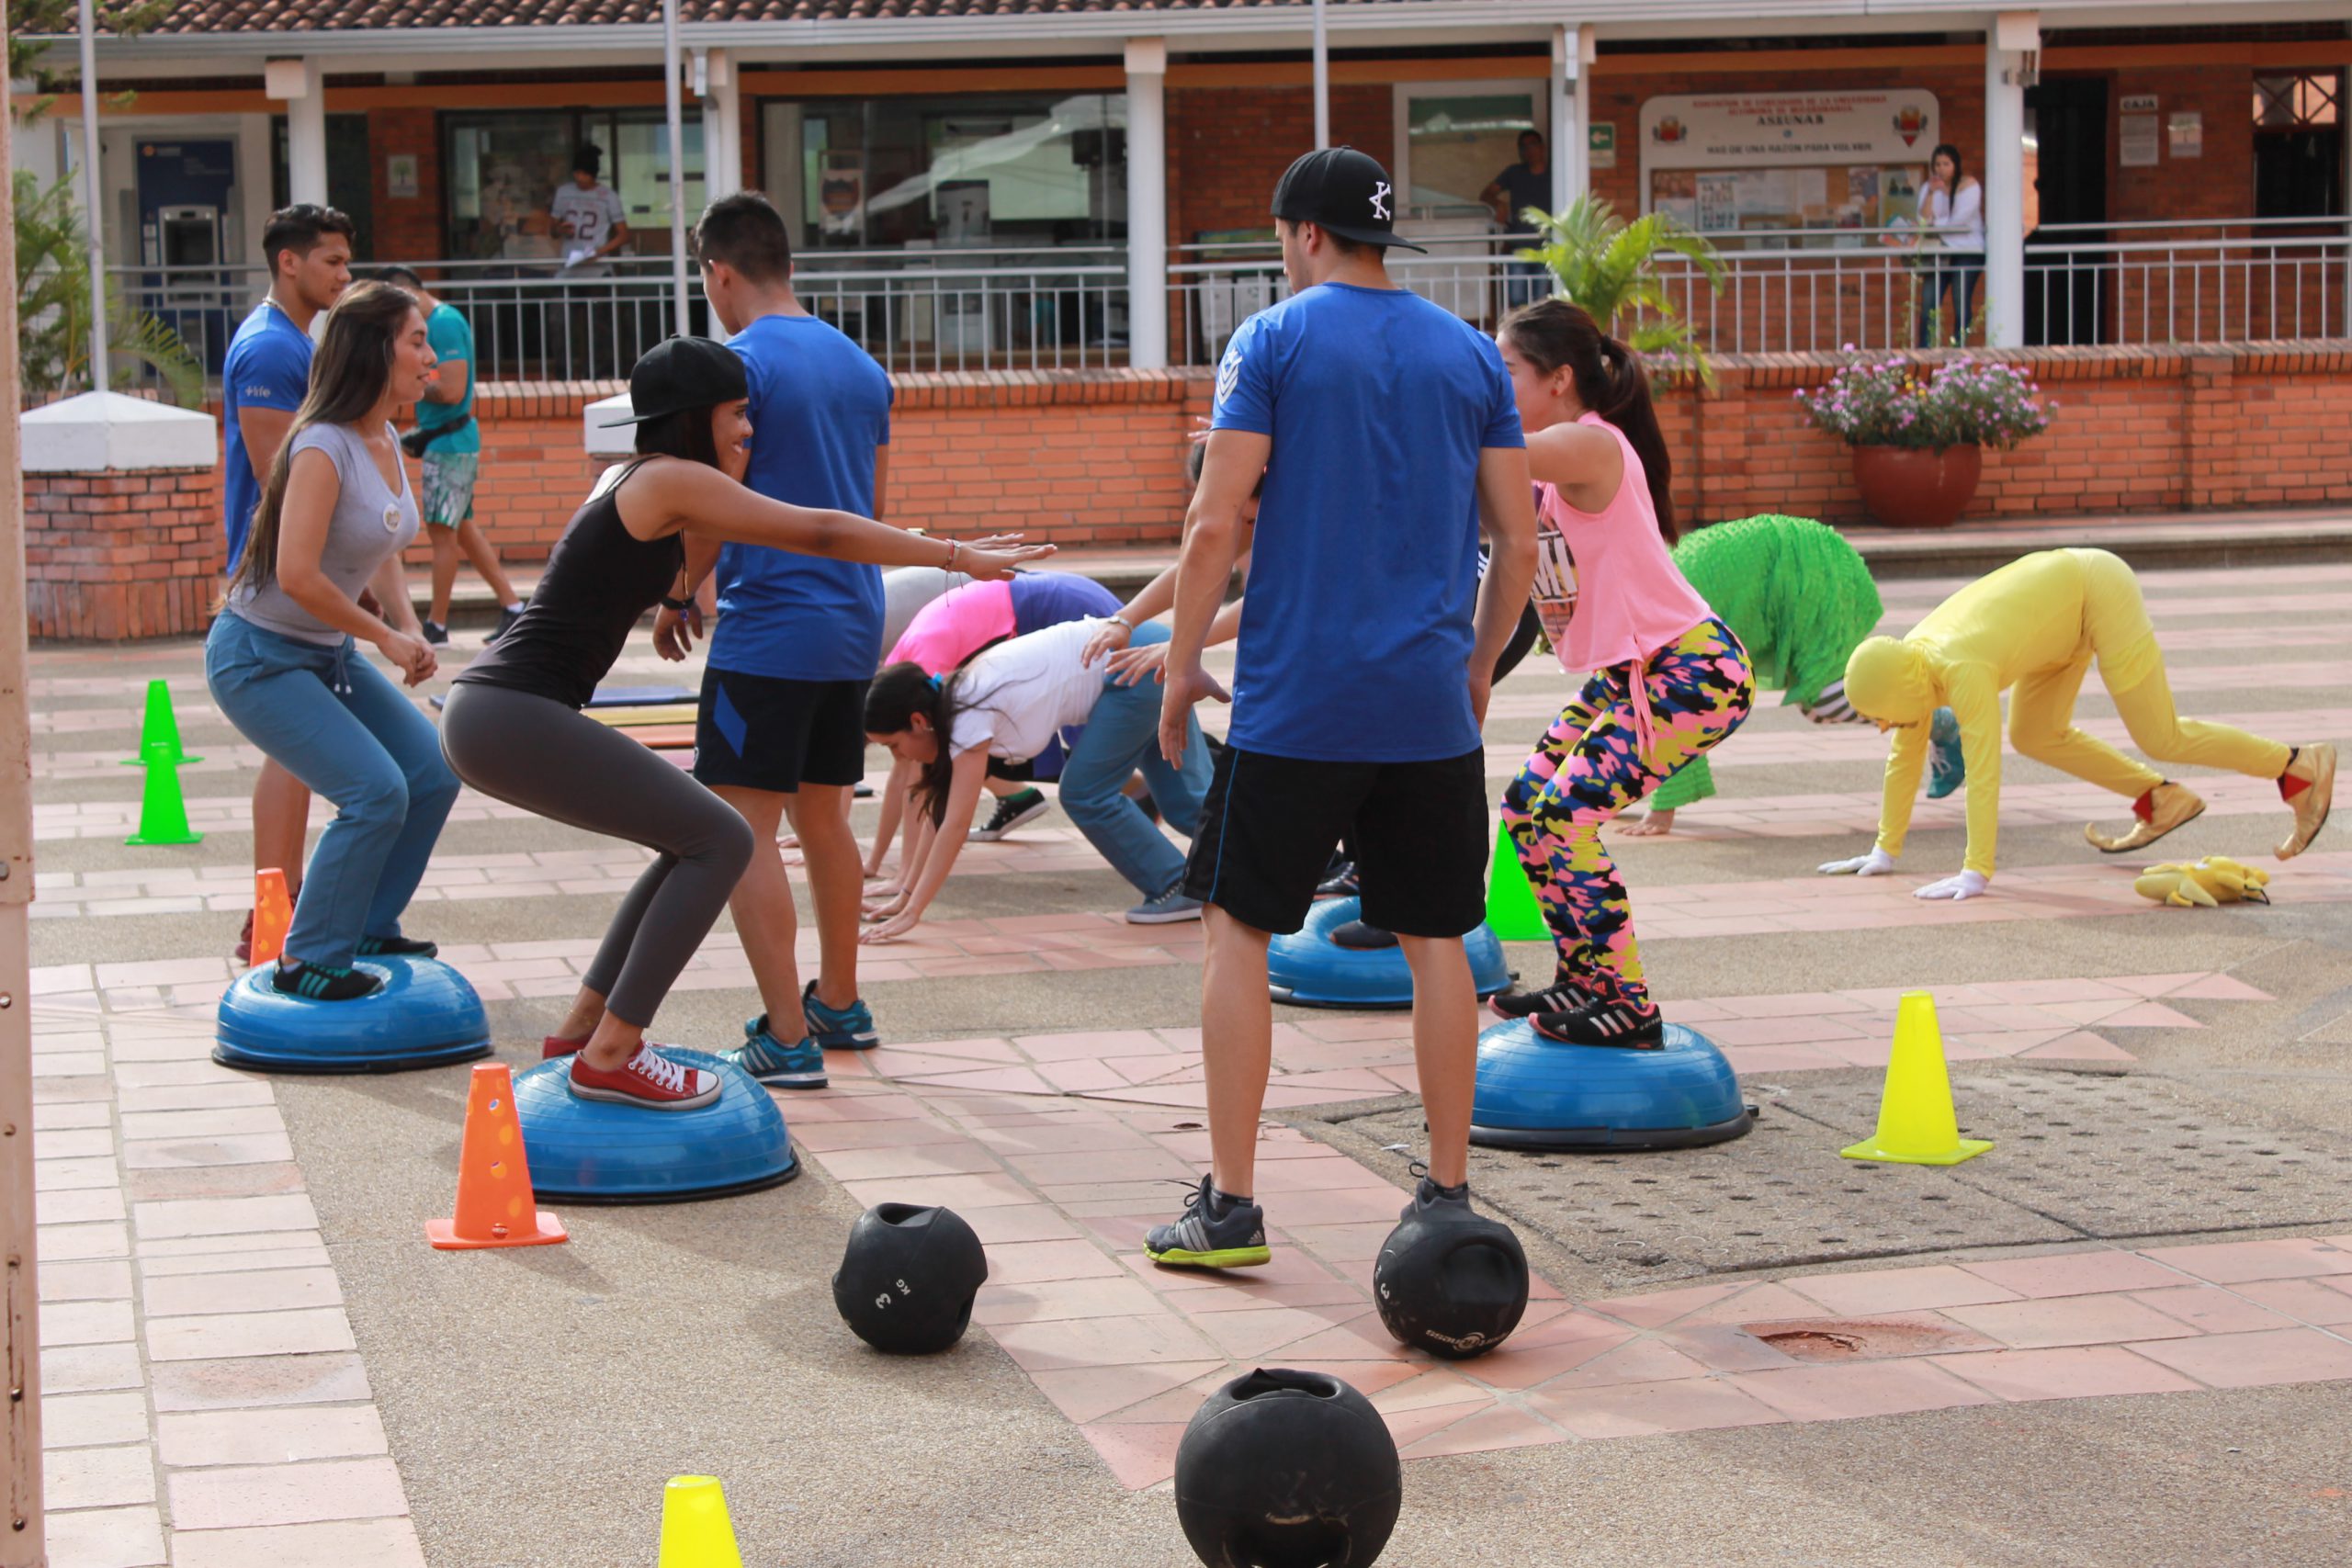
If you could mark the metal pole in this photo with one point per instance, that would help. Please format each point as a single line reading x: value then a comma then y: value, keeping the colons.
x: 1322, y: 80
x: 97, y: 223
x: 22, y: 1537
x: 670, y: 67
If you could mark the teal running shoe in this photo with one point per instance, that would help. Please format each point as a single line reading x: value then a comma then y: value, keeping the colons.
x: 1946, y: 770
x: 762, y: 1054
x: 847, y: 1029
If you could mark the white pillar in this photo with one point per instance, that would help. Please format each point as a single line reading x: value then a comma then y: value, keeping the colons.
x: 1322, y: 75
x: 302, y: 87
x: 2012, y: 54
x: 722, y: 123
x: 1148, y: 203
x: 1572, y: 54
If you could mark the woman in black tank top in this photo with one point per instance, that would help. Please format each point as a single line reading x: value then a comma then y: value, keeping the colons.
x: 514, y: 729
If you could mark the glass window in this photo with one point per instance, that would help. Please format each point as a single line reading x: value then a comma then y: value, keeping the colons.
x: 502, y: 170
x: 1457, y: 144
x: 2299, y: 145
x: 961, y: 170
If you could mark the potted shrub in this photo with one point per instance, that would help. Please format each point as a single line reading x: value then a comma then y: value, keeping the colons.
x: 1918, y: 433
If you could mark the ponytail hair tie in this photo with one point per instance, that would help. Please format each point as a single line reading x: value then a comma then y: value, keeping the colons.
x: 937, y: 683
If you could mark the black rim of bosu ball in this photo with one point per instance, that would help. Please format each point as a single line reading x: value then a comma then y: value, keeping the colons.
x: 1453, y: 1287
x: 908, y: 1277
x: 1282, y: 1469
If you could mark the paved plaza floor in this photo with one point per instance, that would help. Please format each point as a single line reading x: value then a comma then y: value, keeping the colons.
x: 2122, y: 1338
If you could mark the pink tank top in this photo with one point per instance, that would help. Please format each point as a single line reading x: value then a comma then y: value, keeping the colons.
x: 1606, y: 589
x: 956, y: 625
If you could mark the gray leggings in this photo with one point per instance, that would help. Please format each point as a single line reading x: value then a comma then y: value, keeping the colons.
x: 538, y: 755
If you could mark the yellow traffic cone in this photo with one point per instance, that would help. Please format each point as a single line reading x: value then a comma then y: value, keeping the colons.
x: 695, y: 1532
x: 1916, y: 1125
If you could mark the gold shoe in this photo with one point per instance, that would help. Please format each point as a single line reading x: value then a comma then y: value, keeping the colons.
x: 2170, y: 806
x: 2315, y: 765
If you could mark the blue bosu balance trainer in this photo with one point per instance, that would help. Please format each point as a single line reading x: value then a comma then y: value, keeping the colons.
x: 1308, y: 969
x: 594, y: 1151
x: 1535, y: 1093
x: 425, y: 1016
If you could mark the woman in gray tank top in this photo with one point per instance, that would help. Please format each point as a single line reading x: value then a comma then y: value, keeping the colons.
x: 336, y: 510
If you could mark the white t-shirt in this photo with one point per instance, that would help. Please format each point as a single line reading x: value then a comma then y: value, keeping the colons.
x: 1018, y: 695
x: 1958, y: 221
x: 592, y: 214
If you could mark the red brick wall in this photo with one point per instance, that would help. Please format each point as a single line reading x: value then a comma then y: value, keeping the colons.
x: 409, y: 229
x: 1227, y: 146
x: 115, y: 556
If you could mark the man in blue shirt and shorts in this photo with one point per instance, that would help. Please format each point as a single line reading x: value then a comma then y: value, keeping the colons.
x: 262, y: 382
x: 1389, y: 441
x: 781, y: 725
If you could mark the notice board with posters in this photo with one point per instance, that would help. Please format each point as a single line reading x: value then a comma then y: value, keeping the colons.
x: 1746, y: 162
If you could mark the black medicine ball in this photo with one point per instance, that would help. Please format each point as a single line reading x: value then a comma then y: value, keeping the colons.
x: 908, y: 1277
x: 1454, y: 1287
x: 1287, y: 1469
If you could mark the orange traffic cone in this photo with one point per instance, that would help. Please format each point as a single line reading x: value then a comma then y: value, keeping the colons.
x: 494, y: 1204
x: 273, y: 914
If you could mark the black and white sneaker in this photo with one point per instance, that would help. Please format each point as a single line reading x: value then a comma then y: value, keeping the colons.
x: 1436, y: 1202
x: 434, y: 633
x: 1339, y: 881
x: 1216, y: 1232
x: 320, y: 983
x: 398, y: 947
x: 1605, y: 1021
x: 1565, y: 992
x: 507, y: 616
x: 1011, y: 811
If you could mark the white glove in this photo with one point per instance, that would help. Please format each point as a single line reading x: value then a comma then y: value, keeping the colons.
x: 1967, y: 885
x: 1878, y: 862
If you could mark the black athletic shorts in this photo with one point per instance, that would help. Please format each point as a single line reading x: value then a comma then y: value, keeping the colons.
x: 1420, y: 832
x: 762, y: 732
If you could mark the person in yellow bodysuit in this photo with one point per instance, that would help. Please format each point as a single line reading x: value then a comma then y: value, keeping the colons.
x: 2032, y: 629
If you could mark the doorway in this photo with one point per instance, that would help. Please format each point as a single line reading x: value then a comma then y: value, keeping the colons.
x: 2066, y: 265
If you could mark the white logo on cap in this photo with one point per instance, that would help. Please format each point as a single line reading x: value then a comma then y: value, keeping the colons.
x: 1380, y: 201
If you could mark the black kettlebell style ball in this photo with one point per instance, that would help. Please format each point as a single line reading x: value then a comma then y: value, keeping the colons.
x: 908, y: 1277
x: 1453, y: 1287
x: 1287, y: 1469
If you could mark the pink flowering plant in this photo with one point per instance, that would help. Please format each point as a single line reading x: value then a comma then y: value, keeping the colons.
x: 1896, y: 402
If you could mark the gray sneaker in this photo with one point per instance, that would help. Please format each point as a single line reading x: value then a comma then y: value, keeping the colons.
x: 1436, y: 1202
x: 1165, y: 910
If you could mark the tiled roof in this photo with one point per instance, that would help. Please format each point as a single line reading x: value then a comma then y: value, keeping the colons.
x: 339, y: 15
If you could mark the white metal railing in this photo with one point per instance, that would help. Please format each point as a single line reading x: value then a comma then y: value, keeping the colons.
x: 1065, y: 308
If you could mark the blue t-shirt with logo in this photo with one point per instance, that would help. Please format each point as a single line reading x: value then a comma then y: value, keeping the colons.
x: 1356, y: 631
x: 820, y: 409
x: 268, y: 367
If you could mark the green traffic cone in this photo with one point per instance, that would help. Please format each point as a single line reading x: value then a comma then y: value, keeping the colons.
x: 159, y: 735
x: 1511, y: 911
x: 163, y: 815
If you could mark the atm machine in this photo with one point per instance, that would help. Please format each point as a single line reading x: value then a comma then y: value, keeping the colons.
x: 184, y: 196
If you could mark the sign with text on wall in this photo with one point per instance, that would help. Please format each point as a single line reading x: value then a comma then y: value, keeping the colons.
x: 1729, y: 161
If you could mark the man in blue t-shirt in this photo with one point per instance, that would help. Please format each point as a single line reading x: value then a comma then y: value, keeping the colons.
x: 262, y: 382
x: 1388, y: 438
x: 781, y: 725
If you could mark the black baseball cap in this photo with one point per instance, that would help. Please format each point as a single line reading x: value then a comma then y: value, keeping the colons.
x: 1342, y: 192
x: 683, y: 373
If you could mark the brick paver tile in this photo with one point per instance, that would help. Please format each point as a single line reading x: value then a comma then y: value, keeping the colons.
x: 269, y: 1436
x: 2249, y: 1360
x: 361, y: 1543
x: 1901, y: 1290
x: 1139, y: 1455
x: 1104, y: 1342
x: 286, y: 1493
x: 86, y: 1323
x: 1057, y: 1301
x: 111, y: 1538
x: 1867, y: 1388
x: 224, y: 1217
x: 79, y: 1369
x: 246, y: 1383
x: 2071, y: 1372
x: 2233, y: 1262
x: 98, y: 1478
x: 89, y: 1420
x: 2315, y: 1302
x: 249, y: 1334
x: 272, y: 1290
x: 1483, y: 1431
x: 2212, y: 1309
x: 2069, y: 1320
x: 1090, y: 1393
x: 1644, y: 1409
x: 2077, y: 1273
x: 104, y: 1280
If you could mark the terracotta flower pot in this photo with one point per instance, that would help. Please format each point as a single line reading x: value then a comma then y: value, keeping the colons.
x: 1909, y: 487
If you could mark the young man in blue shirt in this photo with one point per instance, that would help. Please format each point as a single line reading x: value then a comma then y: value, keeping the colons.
x: 782, y: 727
x: 1388, y: 438
x: 262, y: 382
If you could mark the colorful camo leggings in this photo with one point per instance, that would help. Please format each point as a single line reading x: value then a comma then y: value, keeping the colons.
x: 1592, y: 763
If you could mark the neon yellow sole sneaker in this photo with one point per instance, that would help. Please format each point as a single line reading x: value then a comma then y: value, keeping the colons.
x: 1207, y: 1239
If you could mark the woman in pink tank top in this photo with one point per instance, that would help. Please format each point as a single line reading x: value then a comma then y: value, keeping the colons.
x: 1669, y: 681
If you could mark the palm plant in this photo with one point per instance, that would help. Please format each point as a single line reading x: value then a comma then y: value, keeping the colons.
x: 1611, y: 268
x: 54, y: 307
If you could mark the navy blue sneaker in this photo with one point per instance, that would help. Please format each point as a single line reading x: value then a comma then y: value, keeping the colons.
x: 800, y: 1064
x: 846, y: 1029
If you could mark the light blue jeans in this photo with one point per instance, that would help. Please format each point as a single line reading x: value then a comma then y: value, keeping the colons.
x: 1121, y: 737
x: 333, y: 720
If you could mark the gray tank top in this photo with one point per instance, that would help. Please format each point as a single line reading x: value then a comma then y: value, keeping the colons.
x: 371, y: 523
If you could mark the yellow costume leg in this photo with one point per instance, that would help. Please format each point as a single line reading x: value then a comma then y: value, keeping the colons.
x: 2041, y: 725
x: 2131, y: 666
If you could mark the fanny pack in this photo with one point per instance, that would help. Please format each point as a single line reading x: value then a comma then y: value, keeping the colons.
x: 415, y: 443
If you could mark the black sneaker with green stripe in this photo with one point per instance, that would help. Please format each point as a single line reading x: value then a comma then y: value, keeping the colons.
x: 1218, y: 1231
x: 321, y: 984
x: 397, y: 947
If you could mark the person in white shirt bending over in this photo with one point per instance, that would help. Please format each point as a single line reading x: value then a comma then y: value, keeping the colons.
x: 1951, y: 211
